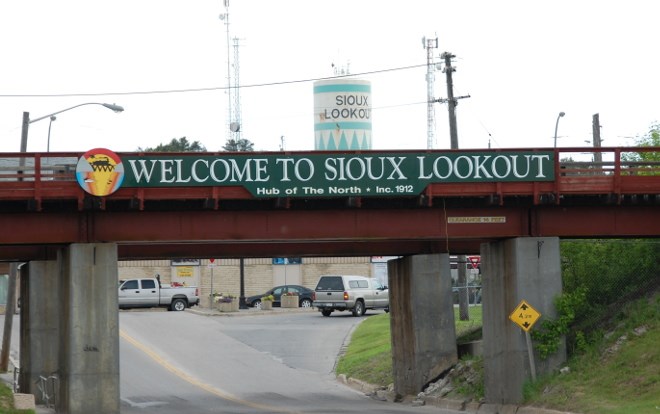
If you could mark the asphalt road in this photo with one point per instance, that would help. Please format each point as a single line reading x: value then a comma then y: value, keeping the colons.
x: 174, y: 362
x: 283, y: 362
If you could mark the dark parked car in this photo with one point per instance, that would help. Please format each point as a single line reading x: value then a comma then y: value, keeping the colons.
x: 304, y: 296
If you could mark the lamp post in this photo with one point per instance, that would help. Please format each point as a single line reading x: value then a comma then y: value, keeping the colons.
x: 27, y: 121
x: 557, y: 126
x: 52, y: 118
x: 11, y: 283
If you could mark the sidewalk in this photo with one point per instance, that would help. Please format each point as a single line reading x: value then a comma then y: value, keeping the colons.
x: 23, y: 401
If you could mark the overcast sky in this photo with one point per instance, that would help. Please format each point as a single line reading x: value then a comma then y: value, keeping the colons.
x: 165, y: 62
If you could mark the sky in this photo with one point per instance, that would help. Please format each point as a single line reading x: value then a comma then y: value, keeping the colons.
x: 165, y: 63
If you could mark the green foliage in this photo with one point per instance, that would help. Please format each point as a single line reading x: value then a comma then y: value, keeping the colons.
x: 268, y: 298
x: 177, y: 145
x: 238, y: 145
x: 597, y: 274
x: 608, y: 269
x: 651, y: 139
x: 581, y: 342
x: 548, y: 337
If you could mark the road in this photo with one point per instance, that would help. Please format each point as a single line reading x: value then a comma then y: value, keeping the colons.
x: 279, y: 363
x: 176, y: 362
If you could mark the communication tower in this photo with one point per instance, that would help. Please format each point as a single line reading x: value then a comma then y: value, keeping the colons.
x: 225, y: 18
x: 235, y: 124
x: 430, y: 45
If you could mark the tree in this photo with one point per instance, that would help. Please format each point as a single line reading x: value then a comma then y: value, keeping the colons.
x: 651, y: 139
x: 177, y: 145
x: 238, y: 145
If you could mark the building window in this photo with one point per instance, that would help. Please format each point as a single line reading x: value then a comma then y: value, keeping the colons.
x: 286, y: 260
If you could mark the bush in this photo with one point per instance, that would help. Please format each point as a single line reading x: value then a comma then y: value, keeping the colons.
x: 599, y: 277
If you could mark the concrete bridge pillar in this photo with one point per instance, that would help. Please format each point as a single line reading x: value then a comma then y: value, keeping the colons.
x: 421, y: 320
x: 89, y: 330
x: 40, y: 328
x: 526, y: 268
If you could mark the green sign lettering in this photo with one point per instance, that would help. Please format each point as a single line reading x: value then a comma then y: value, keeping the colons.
x: 333, y: 175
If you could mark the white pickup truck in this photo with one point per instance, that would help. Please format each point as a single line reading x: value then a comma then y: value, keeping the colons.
x: 350, y: 293
x: 148, y: 293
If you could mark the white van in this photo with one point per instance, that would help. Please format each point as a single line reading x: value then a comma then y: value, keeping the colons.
x: 350, y: 293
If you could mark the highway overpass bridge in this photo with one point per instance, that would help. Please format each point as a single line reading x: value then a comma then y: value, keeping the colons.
x: 72, y: 216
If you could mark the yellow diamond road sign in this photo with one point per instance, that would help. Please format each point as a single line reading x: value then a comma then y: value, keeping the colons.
x: 525, y: 316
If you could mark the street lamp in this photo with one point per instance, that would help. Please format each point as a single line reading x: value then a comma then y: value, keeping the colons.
x: 557, y: 126
x: 27, y: 121
x: 52, y: 118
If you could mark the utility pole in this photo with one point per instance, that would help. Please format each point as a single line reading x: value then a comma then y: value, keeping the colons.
x: 453, y: 135
x: 13, y: 267
x: 451, y: 100
x: 598, y: 156
x: 10, y: 310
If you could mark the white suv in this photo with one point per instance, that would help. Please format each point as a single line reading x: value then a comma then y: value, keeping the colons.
x: 352, y: 293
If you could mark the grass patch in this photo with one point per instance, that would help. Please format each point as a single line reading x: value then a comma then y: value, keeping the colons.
x: 369, y: 355
x: 469, y: 330
x: 619, y: 372
x: 7, y: 402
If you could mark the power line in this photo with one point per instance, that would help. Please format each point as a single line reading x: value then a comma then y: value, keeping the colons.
x: 213, y: 88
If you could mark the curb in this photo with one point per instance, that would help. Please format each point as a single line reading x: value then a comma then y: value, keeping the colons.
x: 247, y: 312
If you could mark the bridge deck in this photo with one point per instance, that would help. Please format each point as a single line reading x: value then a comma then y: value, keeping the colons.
x: 43, y: 207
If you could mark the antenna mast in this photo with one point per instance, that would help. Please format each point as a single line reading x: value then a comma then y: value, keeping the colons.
x: 235, y: 126
x: 430, y: 45
x: 225, y: 18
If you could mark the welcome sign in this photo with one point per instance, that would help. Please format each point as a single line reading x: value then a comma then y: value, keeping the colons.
x: 333, y: 175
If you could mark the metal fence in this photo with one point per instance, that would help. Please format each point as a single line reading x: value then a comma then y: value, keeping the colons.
x: 48, y: 388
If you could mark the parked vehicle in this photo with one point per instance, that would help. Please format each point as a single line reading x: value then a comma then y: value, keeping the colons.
x: 350, y: 293
x: 304, y: 296
x: 148, y: 293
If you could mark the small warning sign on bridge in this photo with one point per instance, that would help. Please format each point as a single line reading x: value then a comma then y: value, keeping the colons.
x: 525, y: 316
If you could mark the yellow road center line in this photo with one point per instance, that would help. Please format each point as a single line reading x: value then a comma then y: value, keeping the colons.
x: 196, y: 382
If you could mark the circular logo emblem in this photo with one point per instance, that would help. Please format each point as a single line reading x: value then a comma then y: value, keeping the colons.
x: 100, y: 172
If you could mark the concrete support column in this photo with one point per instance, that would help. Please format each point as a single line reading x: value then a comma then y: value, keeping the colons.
x: 422, y: 320
x: 89, y: 331
x: 513, y: 270
x: 40, y: 328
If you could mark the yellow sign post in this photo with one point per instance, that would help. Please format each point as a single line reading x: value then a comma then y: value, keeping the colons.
x: 525, y: 316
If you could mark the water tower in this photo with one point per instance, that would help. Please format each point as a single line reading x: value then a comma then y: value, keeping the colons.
x: 342, y: 115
